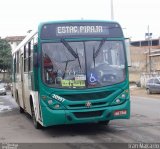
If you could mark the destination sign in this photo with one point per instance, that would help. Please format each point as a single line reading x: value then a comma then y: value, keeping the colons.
x: 80, y: 29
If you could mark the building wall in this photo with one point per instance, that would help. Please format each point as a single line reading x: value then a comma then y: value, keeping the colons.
x: 13, y: 45
x: 14, y: 41
x: 140, y: 62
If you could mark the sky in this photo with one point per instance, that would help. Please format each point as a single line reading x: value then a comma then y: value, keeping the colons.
x: 19, y: 16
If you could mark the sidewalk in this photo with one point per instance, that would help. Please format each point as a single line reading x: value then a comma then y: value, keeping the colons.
x: 137, y: 91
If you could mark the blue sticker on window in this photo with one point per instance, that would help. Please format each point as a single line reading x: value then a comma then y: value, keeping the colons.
x: 92, y: 78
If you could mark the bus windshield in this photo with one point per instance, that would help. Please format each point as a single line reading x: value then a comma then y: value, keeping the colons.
x: 83, y: 64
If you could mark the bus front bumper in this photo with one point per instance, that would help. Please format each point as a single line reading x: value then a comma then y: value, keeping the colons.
x: 90, y: 115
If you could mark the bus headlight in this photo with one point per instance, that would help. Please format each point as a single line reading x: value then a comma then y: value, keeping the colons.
x: 121, y: 98
x: 118, y: 101
x: 56, y: 106
x: 123, y: 95
x: 53, y: 104
x: 50, y: 102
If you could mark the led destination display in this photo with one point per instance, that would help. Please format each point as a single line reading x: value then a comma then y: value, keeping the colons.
x: 81, y: 30
x: 76, y: 30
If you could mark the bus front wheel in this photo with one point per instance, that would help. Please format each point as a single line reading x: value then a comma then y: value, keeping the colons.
x: 37, y: 125
x: 104, y: 122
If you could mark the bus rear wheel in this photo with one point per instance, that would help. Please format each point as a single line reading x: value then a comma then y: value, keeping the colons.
x: 21, y: 110
x: 37, y: 125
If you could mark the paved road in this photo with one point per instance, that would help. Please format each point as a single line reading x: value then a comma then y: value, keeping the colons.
x: 144, y: 126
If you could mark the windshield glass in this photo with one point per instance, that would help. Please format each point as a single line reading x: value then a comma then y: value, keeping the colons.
x: 83, y: 64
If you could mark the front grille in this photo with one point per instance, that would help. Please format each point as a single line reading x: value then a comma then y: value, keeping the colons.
x: 87, y: 96
x: 88, y: 114
x: 83, y: 105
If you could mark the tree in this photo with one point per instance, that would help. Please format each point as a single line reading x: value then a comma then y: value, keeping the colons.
x: 5, y: 57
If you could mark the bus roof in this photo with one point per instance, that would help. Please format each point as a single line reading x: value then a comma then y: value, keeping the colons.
x: 34, y: 32
x: 76, y: 21
x: 26, y: 39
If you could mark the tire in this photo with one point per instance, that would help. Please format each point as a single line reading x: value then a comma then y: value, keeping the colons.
x: 104, y: 122
x: 21, y: 110
x: 148, y: 91
x: 37, y: 125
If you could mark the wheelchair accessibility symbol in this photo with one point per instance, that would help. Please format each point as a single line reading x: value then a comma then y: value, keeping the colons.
x: 92, y: 78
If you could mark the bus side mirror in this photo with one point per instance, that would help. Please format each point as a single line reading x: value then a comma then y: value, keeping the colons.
x: 35, y: 56
x: 127, y: 44
x: 35, y: 59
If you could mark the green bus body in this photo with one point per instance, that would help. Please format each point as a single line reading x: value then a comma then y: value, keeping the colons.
x: 77, y: 94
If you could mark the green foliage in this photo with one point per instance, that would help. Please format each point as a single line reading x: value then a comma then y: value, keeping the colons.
x: 5, y: 56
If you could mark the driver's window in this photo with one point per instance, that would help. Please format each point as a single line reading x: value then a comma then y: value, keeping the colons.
x: 49, y: 73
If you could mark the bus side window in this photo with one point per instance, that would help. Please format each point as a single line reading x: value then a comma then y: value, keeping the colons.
x: 14, y: 68
x: 29, y: 56
x: 26, y: 57
x: 17, y: 62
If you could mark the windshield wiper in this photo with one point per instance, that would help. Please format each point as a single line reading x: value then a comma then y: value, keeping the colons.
x: 95, y: 53
x: 70, y: 49
x: 67, y: 61
x: 78, y: 59
x: 94, y: 59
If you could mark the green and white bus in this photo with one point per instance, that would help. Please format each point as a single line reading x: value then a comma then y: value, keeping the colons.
x: 70, y: 72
